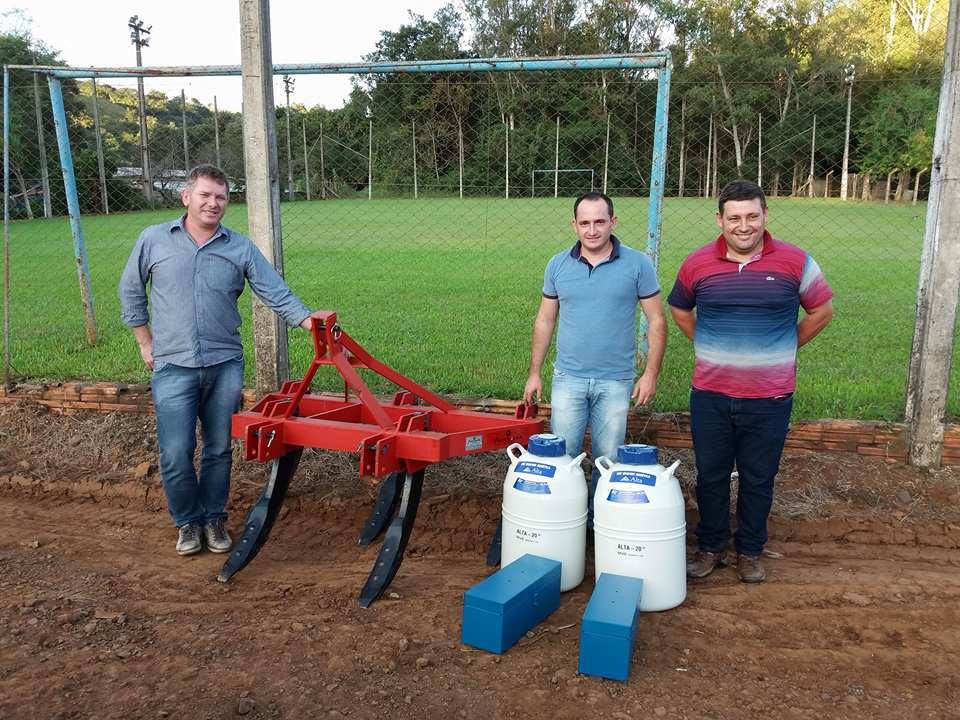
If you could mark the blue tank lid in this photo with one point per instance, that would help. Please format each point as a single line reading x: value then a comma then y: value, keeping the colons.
x: 636, y: 454
x: 547, y: 445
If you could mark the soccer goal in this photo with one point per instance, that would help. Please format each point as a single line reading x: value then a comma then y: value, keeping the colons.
x: 574, y: 181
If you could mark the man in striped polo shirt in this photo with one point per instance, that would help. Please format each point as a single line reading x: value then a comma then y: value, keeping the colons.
x: 738, y: 299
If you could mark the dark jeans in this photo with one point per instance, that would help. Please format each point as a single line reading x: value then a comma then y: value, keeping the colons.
x: 749, y: 432
x: 181, y: 396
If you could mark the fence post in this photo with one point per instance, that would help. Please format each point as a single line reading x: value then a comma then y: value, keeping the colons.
x: 413, y: 123
x: 306, y: 157
x: 844, y: 173
x: 556, y: 162
x: 6, y: 227
x: 42, y: 146
x: 323, y: 174
x: 216, y: 131
x: 606, y: 155
x: 183, y: 122
x: 928, y: 380
x: 73, y: 206
x: 263, y: 186
x: 658, y: 168
x: 99, y: 137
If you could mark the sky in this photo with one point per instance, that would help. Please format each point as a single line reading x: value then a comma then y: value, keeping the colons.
x: 207, y: 32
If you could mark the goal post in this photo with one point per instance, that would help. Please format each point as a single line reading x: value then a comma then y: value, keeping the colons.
x: 554, y: 175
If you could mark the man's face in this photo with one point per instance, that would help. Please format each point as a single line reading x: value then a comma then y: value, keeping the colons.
x: 742, y: 224
x: 593, y: 224
x: 205, y: 202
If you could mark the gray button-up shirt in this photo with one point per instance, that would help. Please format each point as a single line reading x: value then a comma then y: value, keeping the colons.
x: 194, y: 292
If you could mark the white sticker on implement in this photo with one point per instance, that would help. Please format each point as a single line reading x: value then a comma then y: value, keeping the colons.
x: 474, y: 442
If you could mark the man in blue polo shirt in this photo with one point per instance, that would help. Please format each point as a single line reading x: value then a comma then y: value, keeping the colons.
x: 594, y: 288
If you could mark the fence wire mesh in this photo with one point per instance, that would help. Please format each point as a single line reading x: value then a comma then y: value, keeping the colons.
x: 426, y: 208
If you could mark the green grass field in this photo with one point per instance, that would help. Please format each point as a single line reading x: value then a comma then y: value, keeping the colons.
x: 445, y: 290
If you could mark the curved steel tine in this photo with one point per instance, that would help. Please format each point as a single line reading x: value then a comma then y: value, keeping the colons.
x: 383, y: 510
x: 391, y: 552
x: 493, y: 552
x: 262, y: 515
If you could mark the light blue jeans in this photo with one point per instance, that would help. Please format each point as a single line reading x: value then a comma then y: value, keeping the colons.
x: 181, y: 396
x: 577, y: 402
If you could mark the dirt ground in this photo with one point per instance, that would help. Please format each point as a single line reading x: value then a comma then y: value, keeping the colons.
x: 860, y: 616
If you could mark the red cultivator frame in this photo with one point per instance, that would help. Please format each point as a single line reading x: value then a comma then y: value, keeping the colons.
x: 395, y: 441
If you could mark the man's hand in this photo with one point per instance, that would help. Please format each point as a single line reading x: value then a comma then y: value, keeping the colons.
x: 306, y: 324
x: 145, y: 342
x: 146, y: 352
x: 644, y: 389
x: 534, y: 387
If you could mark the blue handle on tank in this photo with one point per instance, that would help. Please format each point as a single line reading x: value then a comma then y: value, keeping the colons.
x: 547, y: 445
x: 636, y: 454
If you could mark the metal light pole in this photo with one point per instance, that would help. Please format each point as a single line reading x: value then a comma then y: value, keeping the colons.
x: 137, y: 37
x: 288, y: 88
x: 848, y: 79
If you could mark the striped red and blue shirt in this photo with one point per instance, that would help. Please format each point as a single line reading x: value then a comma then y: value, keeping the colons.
x: 745, y: 342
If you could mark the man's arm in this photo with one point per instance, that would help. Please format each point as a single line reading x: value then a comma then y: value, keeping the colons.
x: 686, y: 320
x: 814, y: 321
x: 543, y: 327
x: 145, y: 342
x: 271, y: 288
x: 133, y: 299
x: 646, y: 385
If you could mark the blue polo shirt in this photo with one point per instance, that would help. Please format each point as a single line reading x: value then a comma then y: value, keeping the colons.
x: 597, y: 330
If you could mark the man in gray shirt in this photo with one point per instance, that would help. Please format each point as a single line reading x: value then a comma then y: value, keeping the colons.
x: 196, y: 269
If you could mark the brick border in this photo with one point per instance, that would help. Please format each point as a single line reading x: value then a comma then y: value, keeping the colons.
x: 877, y: 439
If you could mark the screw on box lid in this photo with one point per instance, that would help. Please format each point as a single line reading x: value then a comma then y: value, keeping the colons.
x: 547, y: 445
x: 637, y: 454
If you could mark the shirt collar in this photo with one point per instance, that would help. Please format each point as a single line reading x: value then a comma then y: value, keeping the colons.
x: 179, y: 224
x: 614, y: 252
x: 769, y: 246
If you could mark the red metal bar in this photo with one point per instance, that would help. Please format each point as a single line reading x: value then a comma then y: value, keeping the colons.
x: 388, y: 436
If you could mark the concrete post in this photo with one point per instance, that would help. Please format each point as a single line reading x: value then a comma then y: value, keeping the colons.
x: 928, y: 380
x: 263, y: 186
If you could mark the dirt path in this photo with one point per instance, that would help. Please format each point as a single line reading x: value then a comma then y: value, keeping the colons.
x: 100, y: 619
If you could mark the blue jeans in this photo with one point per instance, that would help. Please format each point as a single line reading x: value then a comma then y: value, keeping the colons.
x: 576, y: 402
x: 181, y: 396
x: 749, y: 432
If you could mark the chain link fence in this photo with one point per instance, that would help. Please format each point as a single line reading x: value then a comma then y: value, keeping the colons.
x: 425, y: 209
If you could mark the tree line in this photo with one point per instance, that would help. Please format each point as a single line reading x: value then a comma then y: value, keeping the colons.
x: 759, y: 90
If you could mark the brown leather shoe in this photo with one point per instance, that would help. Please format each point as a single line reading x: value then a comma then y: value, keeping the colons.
x: 703, y: 563
x: 750, y: 569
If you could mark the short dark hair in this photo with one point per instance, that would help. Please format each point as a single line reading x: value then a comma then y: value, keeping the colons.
x: 592, y: 196
x: 211, y: 172
x: 741, y: 190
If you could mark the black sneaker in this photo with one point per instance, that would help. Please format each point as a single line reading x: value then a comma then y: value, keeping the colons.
x: 188, y: 542
x: 217, y: 537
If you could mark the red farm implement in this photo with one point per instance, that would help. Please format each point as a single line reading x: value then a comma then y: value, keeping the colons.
x: 395, y: 441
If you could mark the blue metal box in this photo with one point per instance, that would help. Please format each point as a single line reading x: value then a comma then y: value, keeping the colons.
x: 500, y: 609
x: 610, y: 626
